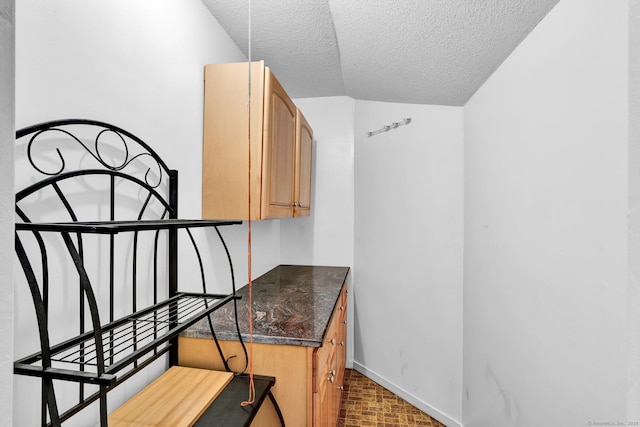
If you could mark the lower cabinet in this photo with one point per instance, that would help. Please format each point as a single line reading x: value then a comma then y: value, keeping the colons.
x: 328, y: 369
x: 309, y: 380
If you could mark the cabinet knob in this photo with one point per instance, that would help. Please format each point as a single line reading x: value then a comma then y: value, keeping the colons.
x: 342, y: 308
x: 331, y: 379
x: 333, y: 373
x: 333, y: 341
x: 341, y: 342
x: 341, y: 388
x: 344, y: 321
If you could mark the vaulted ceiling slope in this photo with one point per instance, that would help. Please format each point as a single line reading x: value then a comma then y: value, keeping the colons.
x: 409, y: 51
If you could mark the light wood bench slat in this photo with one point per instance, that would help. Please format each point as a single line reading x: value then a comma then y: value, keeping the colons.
x: 176, y: 399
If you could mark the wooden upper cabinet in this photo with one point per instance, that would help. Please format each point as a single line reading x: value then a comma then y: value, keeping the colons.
x: 268, y: 129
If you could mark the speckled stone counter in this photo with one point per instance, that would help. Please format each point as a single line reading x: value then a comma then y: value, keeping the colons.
x: 292, y: 305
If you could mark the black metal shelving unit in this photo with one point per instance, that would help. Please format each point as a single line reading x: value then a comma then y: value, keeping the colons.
x: 106, y: 350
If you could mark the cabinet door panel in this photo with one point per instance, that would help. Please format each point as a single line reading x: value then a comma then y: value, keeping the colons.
x: 304, y: 148
x: 278, y: 151
x: 324, y: 411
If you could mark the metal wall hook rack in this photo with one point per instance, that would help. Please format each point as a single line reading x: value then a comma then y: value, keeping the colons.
x: 387, y: 128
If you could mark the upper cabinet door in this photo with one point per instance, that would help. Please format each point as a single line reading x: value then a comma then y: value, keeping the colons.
x: 304, y: 150
x: 279, y: 145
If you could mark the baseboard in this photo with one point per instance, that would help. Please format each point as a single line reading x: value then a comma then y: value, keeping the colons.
x: 349, y: 364
x: 423, y: 406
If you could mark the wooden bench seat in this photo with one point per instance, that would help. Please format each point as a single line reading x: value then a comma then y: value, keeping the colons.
x: 177, y: 398
x: 186, y: 397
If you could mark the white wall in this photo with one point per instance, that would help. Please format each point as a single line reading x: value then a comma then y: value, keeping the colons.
x: 140, y: 67
x: 633, y: 383
x: 545, y: 261
x: 326, y: 236
x: 7, y: 110
x: 408, y: 253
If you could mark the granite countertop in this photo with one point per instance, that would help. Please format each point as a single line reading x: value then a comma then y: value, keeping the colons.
x: 292, y: 305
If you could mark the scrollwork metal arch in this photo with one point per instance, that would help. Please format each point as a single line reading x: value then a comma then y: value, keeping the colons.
x: 57, y: 126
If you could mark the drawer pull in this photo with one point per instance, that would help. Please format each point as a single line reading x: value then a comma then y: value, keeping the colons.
x: 331, y: 379
x: 341, y: 342
x: 342, y: 308
x: 344, y: 321
x: 333, y: 373
x: 341, y: 388
x: 333, y: 341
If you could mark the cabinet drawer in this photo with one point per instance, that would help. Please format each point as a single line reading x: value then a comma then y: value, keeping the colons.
x: 342, y: 307
x: 322, y: 355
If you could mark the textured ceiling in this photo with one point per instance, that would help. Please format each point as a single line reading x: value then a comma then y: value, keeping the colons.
x: 410, y: 51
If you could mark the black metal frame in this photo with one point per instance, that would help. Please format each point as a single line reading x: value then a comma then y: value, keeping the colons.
x: 100, y: 353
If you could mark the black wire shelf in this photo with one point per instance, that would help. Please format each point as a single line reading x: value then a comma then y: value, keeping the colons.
x: 114, y: 227
x: 124, y: 341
